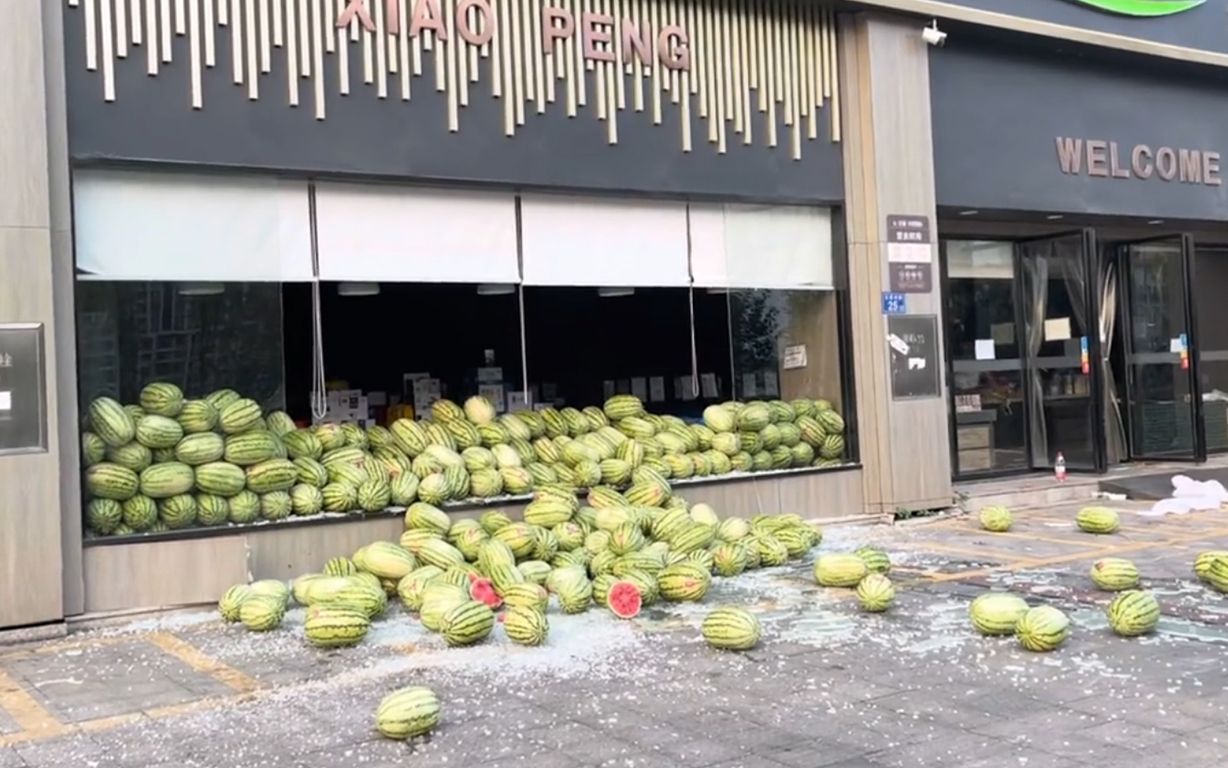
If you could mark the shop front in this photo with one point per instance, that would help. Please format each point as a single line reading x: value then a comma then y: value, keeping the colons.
x: 347, y: 213
x: 1082, y: 202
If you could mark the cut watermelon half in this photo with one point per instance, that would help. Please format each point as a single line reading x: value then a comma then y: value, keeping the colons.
x: 483, y: 591
x: 624, y: 600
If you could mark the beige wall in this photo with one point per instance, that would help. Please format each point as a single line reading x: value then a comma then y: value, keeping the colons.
x: 889, y: 169
x: 31, y: 229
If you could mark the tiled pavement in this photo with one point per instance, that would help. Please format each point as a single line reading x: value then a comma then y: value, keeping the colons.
x: 829, y: 686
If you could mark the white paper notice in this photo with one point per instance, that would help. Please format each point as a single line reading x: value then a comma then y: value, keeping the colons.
x: 1057, y: 329
x: 771, y: 385
x: 749, y: 387
x: 656, y: 389
x: 639, y: 388
x: 1175, y: 345
x: 984, y: 349
x: 6, y: 401
x: 795, y: 357
x: 707, y: 383
x: 910, y: 253
x: 916, y: 363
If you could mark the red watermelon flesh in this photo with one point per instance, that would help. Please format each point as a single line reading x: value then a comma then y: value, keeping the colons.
x: 483, y: 591
x: 624, y: 600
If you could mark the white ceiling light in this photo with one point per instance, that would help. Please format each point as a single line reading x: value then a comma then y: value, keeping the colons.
x: 201, y: 289
x: 1054, y: 216
x: 496, y: 289
x: 357, y: 289
x: 969, y: 213
x: 612, y: 293
x: 718, y: 291
x: 1153, y: 222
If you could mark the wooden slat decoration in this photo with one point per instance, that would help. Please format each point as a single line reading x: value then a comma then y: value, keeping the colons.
x: 752, y: 67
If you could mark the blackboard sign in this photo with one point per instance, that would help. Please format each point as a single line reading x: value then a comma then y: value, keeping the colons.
x: 912, y: 342
x: 23, y: 420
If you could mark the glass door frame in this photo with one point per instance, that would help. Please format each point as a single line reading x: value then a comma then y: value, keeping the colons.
x: 948, y: 344
x: 1091, y: 298
x: 1197, y: 426
x: 1091, y: 263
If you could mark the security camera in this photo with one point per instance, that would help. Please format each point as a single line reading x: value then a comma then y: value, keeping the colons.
x: 933, y: 35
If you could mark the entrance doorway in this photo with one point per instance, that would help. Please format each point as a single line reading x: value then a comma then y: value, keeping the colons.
x: 1022, y: 335
x: 1062, y: 344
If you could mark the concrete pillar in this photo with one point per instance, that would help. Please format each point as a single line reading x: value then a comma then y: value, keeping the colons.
x: 888, y: 170
x: 33, y: 234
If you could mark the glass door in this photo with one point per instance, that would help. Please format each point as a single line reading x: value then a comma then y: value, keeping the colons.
x: 1162, y: 401
x: 988, y: 409
x: 1061, y: 350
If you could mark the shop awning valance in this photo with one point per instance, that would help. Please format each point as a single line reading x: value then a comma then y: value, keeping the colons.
x: 135, y: 225
x: 386, y: 233
x: 785, y: 247
x: 575, y: 241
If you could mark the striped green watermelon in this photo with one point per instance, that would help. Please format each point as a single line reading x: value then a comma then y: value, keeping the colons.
x: 244, y: 507
x: 211, y: 510
x: 197, y: 416
x: 140, y: 513
x: 684, y: 582
x: 162, y: 398
x: 220, y: 478
x: 311, y: 472
x: 200, y: 448
x: 93, y: 449
x: 407, y: 713
x: 525, y: 626
x: 162, y: 481
x: 221, y: 398
x: 239, y: 416
x: 1133, y: 613
x: 104, y: 515
x: 158, y: 432
x: 251, y: 448
x: 731, y: 628
x: 272, y: 475
x: 336, y: 626
x: 1042, y: 628
x: 178, y: 511
x: 261, y: 613
x: 306, y: 499
x: 275, y: 505
x: 132, y: 456
x: 107, y: 480
x: 111, y: 422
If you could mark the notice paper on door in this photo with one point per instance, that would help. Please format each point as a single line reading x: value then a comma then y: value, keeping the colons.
x: 1176, y: 346
x: 1057, y: 329
x: 984, y: 349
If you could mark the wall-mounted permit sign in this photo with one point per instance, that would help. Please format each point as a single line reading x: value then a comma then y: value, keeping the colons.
x: 1108, y: 159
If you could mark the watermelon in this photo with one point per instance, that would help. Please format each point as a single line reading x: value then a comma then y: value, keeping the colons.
x: 996, y: 613
x: 104, y: 515
x: 106, y: 480
x: 232, y: 601
x: 1133, y: 613
x: 684, y: 582
x: 93, y: 449
x: 1114, y: 574
x: 1099, y: 520
x: 1042, y: 628
x: 211, y: 510
x: 197, y: 416
x: 261, y: 613
x: 140, y: 513
x: 252, y: 448
x: 162, y: 398
x: 875, y: 593
x: 336, y: 626
x: 111, y: 422
x: 525, y: 625
x: 220, y: 478
x: 221, y: 398
x: 239, y: 416
x: 839, y: 570
x: 731, y: 628
x: 467, y: 623
x: 158, y: 432
x: 200, y: 448
x: 244, y: 507
x: 132, y: 456
x: 162, y: 481
x: 996, y: 518
x: 407, y: 713
x: 623, y: 599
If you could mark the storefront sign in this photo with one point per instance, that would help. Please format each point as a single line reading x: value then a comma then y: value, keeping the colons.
x: 909, y: 254
x: 913, y: 347
x: 23, y: 420
x: 475, y: 24
x: 1107, y: 159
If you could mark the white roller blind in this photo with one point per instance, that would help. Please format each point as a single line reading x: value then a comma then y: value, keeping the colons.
x: 761, y: 246
x: 415, y: 234
x: 589, y: 242
x: 133, y: 225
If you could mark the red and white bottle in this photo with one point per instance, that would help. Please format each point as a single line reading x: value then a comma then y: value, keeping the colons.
x: 1059, y: 467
